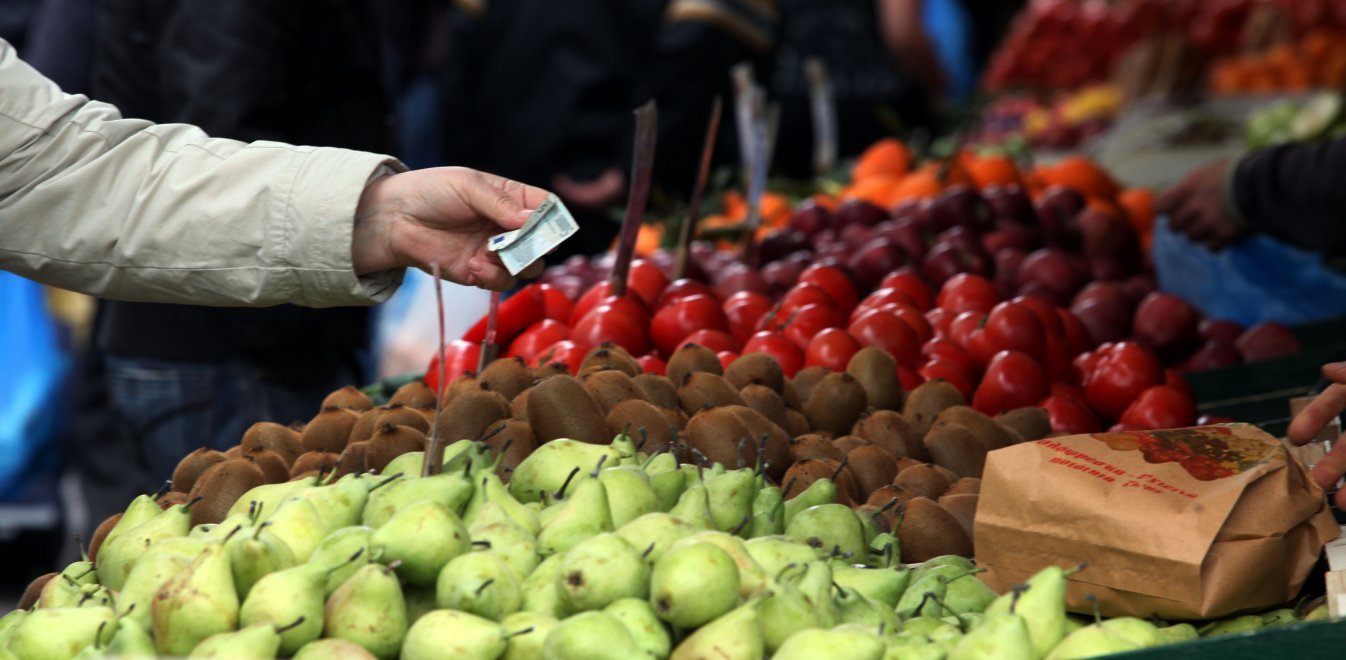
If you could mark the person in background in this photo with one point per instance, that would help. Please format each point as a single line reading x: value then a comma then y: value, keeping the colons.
x: 884, y: 71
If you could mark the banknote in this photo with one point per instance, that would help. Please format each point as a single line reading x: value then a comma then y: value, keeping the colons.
x: 548, y: 226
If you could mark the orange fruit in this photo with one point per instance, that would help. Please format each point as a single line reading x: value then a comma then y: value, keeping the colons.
x: 1082, y: 174
x: 648, y: 239
x: 921, y: 184
x: 875, y: 190
x: 829, y: 202
x: 992, y: 170
x: 735, y: 206
x: 886, y: 158
x: 1139, y: 206
x: 775, y: 209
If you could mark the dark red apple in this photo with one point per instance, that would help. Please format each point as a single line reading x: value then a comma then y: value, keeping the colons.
x: 1020, y: 237
x: 1266, y: 341
x: 907, y: 235
x: 945, y: 261
x: 855, y: 236
x: 1166, y: 324
x: 1139, y: 286
x: 961, y: 206
x: 1221, y: 331
x: 1109, y: 244
x: 783, y: 274
x: 809, y: 218
x: 1212, y: 355
x: 1010, y: 203
x: 1056, y: 210
x: 1106, y: 319
x: 780, y: 244
x: 857, y: 212
x: 1055, y: 269
x: 874, y: 261
x: 737, y: 277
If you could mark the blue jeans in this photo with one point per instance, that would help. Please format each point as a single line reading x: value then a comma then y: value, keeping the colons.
x: 172, y: 408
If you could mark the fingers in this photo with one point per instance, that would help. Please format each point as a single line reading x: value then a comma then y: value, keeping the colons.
x: 503, y: 201
x: 488, y: 274
x: 533, y: 270
x: 1170, y: 200
x: 1317, y: 414
x: 1331, y: 467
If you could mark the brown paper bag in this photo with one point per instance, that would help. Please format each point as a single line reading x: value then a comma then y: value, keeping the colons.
x: 1182, y: 524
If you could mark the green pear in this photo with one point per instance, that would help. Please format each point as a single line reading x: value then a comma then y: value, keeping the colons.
x: 1232, y: 625
x: 1088, y: 642
x: 654, y: 533
x: 150, y: 573
x: 999, y: 636
x: 527, y: 633
x: 885, y: 551
x: 914, y: 650
x: 541, y: 594
x: 369, y: 609
x: 693, y: 584
x: 819, y: 643
x: 967, y: 594
x: 817, y: 585
x: 259, y: 640
x: 66, y: 589
x: 923, y: 597
x: 831, y: 527
x: 693, y: 507
x: 285, y: 596
x: 221, y: 530
x: 730, y: 496
x: 630, y: 494
x: 490, y: 490
x: 130, y: 641
x: 641, y: 621
x: 768, y: 512
x: 61, y: 632
x: 420, y: 600
x: 822, y: 491
x: 340, y: 504
x: 495, y: 530
x: 261, y: 502
x: 774, y: 553
x: 1043, y: 607
x: 116, y: 557
x: 454, y: 634
x: 95, y: 595
x: 480, y: 583
x: 452, y: 489
x: 753, y: 580
x: 332, y: 649
x: 197, y: 602
x: 783, y: 612
x: 549, y: 467
x: 408, y: 464
x: 298, y: 523
x: 592, y: 635
x: 254, y: 555
x: 931, y: 628
x: 1281, y: 617
x: 946, y: 564
x: 884, y: 585
x: 601, y: 570
x: 665, y: 479
x: 335, y: 552
x: 857, y: 609
x: 141, y: 509
x: 8, y: 623
x: 732, y: 636
x: 1138, y: 630
x: 423, y: 536
x: 1076, y: 621
x: 583, y: 514
x: 1174, y: 634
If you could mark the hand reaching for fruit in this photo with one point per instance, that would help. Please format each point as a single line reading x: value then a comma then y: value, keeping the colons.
x: 1196, y: 207
x: 1314, y: 418
x: 444, y: 214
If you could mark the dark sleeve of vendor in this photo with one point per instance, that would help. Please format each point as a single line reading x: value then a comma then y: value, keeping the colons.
x: 1296, y: 193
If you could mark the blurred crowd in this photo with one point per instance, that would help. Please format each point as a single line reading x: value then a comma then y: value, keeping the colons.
x: 538, y: 91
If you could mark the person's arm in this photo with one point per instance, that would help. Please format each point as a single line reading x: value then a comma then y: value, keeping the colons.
x: 1295, y: 192
x: 902, y: 28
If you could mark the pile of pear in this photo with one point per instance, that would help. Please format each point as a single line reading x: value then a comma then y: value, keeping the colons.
x: 591, y: 551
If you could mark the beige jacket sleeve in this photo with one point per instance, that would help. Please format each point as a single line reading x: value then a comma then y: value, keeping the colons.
x: 122, y: 208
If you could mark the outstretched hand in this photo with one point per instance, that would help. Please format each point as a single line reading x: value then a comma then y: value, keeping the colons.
x: 444, y: 214
x: 1313, y: 418
x: 1195, y: 207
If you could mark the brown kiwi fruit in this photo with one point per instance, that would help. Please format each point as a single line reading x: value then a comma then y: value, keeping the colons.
x: 965, y: 486
x: 927, y: 401
x: 689, y: 359
x: 508, y: 376
x: 891, y: 431
x: 963, y: 508
x: 755, y: 369
x: 765, y: 400
x: 415, y: 394
x: 812, y: 445
x: 268, y: 435
x: 192, y: 465
x: 237, y: 451
x: 273, y: 466
x: 721, y: 437
x: 948, y: 474
x: 100, y: 534
x: 804, y: 382
x: 876, y: 370
x: 803, y: 473
x: 885, y: 494
x: 928, y: 531
x: 518, y: 406
x: 353, y: 459
x: 848, y: 442
x: 319, y: 462
x: 364, y: 425
x: 468, y: 382
x: 220, y: 486
x: 1030, y: 422
x: 390, y: 441
x: 658, y: 390
x: 647, y: 422
x: 610, y: 387
x: 703, y: 389
x: 905, y: 462
x: 517, y: 441
x: 329, y: 431
x: 957, y: 448
x: 766, y: 435
x: 790, y: 396
x: 172, y: 498
x: 608, y: 355
x: 469, y: 414
x: 34, y: 590
x: 399, y: 415
x: 796, y: 423
x: 347, y: 397
x: 990, y: 434
x: 561, y: 407
x: 873, y: 468
x: 544, y: 371
x: 922, y: 480
x: 835, y: 403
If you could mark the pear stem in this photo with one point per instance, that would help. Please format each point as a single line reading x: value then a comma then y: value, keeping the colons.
x: 391, y: 478
x: 484, y: 586
x: 295, y: 624
x: 601, y: 460
x: 129, y: 609
x: 494, y: 432
x: 162, y: 490
x: 747, y: 519
x: 646, y: 554
x: 83, y: 551
x: 1015, y: 592
x: 1071, y: 571
x: 232, y: 532
x: 353, y: 557
x: 482, y: 544
x: 761, y: 455
x: 789, y: 485
x: 518, y: 633
x: 644, y: 437
x: 192, y: 502
x: 742, y: 447
x: 1098, y: 611
x: 560, y: 494
x: 841, y: 466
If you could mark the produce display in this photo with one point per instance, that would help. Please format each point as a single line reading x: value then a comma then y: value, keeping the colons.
x: 1315, y: 118
x: 1064, y: 122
